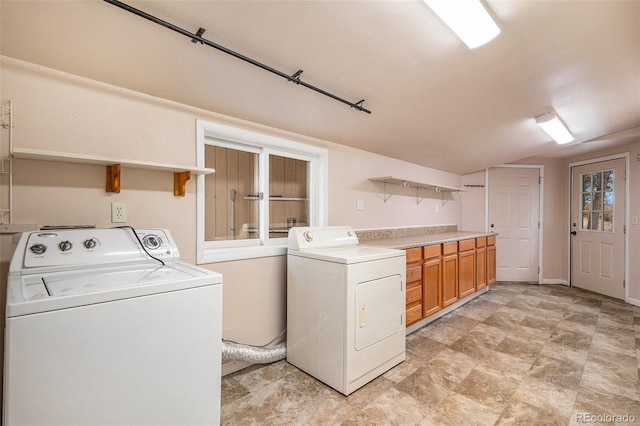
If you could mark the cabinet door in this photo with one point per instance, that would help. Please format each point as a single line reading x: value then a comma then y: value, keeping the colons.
x: 467, y: 273
x: 449, y: 279
x: 431, y: 284
x: 414, y: 285
x: 491, y: 264
x: 481, y: 268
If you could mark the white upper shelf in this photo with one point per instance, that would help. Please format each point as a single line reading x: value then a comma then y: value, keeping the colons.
x: 411, y: 184
x: 67, y: 157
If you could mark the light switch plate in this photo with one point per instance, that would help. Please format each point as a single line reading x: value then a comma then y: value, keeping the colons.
x: 360, y: 204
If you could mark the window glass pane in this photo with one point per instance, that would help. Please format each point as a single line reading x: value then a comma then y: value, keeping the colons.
x: 596, y: 181
x: 231, y: 194
x: 597, y: 201
x: 586, y: 182
x: 596, y: 221
x: 586, y: 220
x: 586, y: 201
x: 608, y: 180
x: 288, y: 194
x: 608, y: 201
x: 608, y: 221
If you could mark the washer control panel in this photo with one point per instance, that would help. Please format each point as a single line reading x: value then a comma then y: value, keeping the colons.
x: 158, y: 243
x: 55, y: 248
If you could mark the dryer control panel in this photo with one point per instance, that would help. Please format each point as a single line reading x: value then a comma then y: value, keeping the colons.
x: 311, y: 238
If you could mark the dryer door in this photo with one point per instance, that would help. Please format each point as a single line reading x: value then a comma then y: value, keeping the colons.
x: 379, y: 309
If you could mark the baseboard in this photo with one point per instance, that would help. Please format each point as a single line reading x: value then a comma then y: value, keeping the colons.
x: 418, y: 325
x: 554, y: 281
x: 634, y: 302
x: 233, y: 366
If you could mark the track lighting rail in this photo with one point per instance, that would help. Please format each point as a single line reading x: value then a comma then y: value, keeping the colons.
x: 197, y: 38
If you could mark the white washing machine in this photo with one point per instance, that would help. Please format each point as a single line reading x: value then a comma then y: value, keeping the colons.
x: 345, y: 307
x: 106, y: 326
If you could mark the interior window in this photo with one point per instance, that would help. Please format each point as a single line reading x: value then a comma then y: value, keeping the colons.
x: 262, y: 187
x: 597, y: 201
x: 231, y: 212
x: 288, y: 200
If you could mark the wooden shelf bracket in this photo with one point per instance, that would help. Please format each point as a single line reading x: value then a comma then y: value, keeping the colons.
x: 113, y: 178
x: 180, y: 183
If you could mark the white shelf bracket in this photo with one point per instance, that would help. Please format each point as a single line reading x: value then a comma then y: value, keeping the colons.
x: 385, y: 196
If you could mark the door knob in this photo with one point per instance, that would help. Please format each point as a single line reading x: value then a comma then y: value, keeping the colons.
x: 573, y: 232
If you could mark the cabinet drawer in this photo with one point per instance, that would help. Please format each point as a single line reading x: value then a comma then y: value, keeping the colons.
x: 432, y: 251
x: 414, y: 294
x: 414, y: 273
x: 481, y: 242
x: 465, y: 245
x: 449, y: 248
x: 414, y: 254
x: 491, y: 240
x: 414, y: 314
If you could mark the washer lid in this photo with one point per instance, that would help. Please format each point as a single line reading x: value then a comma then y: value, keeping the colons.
x: 60, y: 290
x: 355, y: 254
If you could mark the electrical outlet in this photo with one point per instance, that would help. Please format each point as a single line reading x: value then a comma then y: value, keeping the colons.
x: 118, y: 212
x: 359, y: 204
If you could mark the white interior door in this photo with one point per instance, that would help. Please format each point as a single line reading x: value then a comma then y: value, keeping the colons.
x: 514, y: 214
x: 597, y: 227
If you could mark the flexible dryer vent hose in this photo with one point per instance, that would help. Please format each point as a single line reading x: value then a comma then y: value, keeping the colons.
x: 251, y: 354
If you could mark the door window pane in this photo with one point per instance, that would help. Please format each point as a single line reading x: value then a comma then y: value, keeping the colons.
x: 586, y: 182
x: 597, y: 201
x: 596, y: 181
x: 608, y: 180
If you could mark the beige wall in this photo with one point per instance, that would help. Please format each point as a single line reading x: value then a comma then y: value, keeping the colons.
x: 61, y: 112
x: 473, y: 202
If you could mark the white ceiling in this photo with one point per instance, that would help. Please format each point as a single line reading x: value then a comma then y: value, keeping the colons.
x: 434, y: 102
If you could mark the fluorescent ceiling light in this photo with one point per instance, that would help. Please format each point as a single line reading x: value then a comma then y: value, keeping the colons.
x: 551, y: 124
x: 467, y: 18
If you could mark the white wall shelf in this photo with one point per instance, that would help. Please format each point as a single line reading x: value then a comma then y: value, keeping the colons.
x: 181, y: 173
x: 390, y: 180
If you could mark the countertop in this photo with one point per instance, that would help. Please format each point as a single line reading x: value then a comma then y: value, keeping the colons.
x: 411, y: 241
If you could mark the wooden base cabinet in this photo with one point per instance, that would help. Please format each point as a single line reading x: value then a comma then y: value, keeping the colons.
x: 414, y: 285
x: 431, y: 280
x: 449, y: 273
x: 491, y: 259
x: 439, y: 275
x: 466, y: 268
x: 481, y: 263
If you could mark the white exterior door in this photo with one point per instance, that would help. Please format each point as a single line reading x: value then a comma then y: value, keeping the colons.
x: 597, y: 227
x: 514, y: 211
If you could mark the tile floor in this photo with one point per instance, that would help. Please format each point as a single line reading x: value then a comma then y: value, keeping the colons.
x: 520, y: 354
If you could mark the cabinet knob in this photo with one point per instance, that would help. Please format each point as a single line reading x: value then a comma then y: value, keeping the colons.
x: 491, y: 225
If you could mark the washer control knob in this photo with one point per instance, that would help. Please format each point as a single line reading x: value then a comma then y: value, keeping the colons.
x: 152, y: 242
x: 65, y: 246
x: 308, y: 235
x: 89, y: 244
x: 38, y: 248
x: 350, y: 234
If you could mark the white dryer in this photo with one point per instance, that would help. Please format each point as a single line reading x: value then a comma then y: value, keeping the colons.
x: 345, y: 306
x: 106, y: 326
